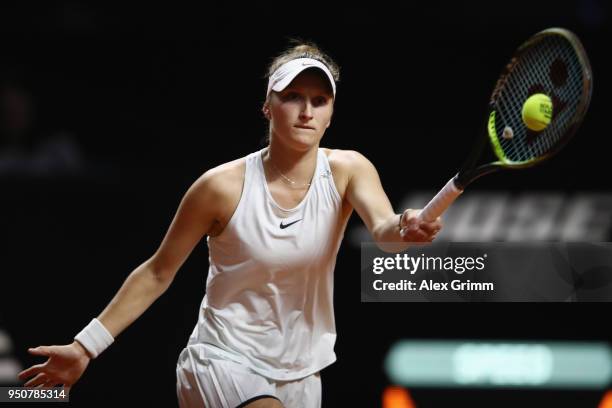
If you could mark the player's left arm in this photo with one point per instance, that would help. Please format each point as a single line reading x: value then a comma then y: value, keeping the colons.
x: 365, y: 193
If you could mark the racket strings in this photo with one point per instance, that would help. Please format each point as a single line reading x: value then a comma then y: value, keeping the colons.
x: 528, y: 145
x: 552, y: 67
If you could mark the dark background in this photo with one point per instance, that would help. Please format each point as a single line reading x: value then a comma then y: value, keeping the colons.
x: 151, y: 97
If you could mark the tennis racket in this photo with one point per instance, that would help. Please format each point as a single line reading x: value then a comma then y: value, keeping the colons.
x: 552, y: 62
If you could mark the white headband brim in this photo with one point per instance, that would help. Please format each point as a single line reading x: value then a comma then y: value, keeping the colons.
x: 288, y: 71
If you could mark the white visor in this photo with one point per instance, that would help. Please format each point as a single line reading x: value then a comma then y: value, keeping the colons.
x: 288, y: 71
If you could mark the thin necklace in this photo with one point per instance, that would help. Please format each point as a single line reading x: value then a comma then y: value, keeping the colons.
x: 292, y: 183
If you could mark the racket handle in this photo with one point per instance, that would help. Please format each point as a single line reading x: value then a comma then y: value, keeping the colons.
x: 441, y: 201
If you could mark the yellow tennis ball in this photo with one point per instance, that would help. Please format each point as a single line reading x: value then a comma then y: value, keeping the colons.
x: 537, y: 112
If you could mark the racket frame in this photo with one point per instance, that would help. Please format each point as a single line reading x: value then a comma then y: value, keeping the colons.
x: 469, y: 171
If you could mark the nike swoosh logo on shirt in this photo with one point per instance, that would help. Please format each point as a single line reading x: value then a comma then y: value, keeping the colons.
x: 283, y: 226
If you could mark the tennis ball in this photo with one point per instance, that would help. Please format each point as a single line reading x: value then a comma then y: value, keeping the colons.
x: 537, y: 112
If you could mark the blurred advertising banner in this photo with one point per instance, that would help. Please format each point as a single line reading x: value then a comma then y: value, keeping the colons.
x: 500, y: 364
x: 512, y: 217
x: 487, y: 272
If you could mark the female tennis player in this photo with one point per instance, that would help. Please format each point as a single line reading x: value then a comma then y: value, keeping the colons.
x: 274, y: 221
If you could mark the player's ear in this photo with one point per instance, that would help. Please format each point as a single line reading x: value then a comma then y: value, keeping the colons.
x: 266, y: 110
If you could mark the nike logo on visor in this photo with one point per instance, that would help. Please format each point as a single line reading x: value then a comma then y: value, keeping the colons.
x: 283, y: 226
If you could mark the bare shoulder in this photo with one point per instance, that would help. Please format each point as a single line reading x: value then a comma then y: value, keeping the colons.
x: 220, y: 186
x: 219, y: 190
x: 346, y: 161
x: 222, y: 179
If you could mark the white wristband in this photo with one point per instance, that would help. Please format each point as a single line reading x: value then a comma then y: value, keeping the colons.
x: 95, y: 338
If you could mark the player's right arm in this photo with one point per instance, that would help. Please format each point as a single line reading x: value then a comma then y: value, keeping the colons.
x: 200, y: 211
x: 196, y: 214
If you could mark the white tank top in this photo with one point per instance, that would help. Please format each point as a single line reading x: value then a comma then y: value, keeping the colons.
x: 269, y: 291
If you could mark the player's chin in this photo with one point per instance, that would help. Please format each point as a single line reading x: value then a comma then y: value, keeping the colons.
x: 306, y: 137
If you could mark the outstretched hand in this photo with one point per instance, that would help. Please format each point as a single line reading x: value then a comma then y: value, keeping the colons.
x: 413, y: 229
x: 64, y: 366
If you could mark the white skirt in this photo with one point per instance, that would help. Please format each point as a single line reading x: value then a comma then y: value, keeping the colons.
x: 206, y: 380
